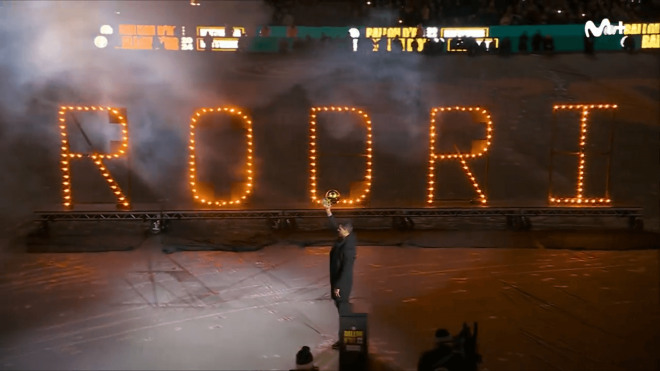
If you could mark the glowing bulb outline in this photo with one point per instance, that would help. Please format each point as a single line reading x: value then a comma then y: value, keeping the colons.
x: 579, y: 199
x: 249, y: 156
x: 313, y: 171
x: 97, y: 158
x: 433, y: 156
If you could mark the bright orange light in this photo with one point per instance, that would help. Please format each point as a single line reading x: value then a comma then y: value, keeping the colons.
x: 313, y: 170
x: 482, y: 116
x: 96, y: 157
x: 579, y: 198
x: 193, y: 157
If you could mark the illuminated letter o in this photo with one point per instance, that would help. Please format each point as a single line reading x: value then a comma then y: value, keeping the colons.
x: 193, y: 157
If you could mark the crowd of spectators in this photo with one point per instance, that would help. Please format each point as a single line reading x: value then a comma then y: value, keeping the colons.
x: 471, y: 12
x: 515, y: 12
x: 283, y: 11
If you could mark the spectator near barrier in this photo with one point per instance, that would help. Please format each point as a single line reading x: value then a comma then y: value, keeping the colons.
x: 589, y: 43
x: 395, y: 45
x: 505, y: 47
x: 305, y: 360
x: 523, y: 43
x: 292, y: 31
x: 299, y: 44
x: 451, y: 353
x: 208, y: 42
x: 548, y: 44
x: 420, y: 31
x: 442, y: 356
x: 229, y: 31
x: 629, y: 44
x: 537, y: 41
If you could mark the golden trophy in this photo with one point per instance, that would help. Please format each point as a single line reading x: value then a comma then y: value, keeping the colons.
x: 331, y: 197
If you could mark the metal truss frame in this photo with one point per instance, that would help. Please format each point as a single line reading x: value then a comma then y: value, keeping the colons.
x: 356, y: 213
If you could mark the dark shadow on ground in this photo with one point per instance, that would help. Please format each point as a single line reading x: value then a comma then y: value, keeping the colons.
x: 97, y: 237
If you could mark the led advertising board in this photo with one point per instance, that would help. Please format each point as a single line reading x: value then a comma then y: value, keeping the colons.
x: 168, y: 37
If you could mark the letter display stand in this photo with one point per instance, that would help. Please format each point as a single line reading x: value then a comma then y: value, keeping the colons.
x: 354, y: 351
x: 581, y: 203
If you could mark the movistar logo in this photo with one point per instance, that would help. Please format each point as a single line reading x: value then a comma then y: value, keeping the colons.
x: 605, y: 28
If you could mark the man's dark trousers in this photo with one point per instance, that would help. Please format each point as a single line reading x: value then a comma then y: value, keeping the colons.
x: 343, y: 305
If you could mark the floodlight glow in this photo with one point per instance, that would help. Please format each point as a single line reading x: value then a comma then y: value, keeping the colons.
x: 101, y: 42
x: 106, y: 30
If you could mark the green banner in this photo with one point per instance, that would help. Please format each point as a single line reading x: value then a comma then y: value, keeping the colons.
x: 567, y: 38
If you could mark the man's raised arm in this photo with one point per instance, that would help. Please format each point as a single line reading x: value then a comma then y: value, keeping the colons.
x: 333, y: 222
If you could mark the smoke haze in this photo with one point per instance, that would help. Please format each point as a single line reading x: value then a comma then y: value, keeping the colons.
x: 47, y: 59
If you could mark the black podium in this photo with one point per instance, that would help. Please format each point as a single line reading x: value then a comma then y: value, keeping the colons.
x: 354, y: 350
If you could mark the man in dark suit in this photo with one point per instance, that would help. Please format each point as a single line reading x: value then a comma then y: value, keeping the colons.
x: 342, y: 259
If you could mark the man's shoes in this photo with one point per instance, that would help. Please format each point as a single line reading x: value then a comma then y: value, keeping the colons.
x: 336, y: 345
